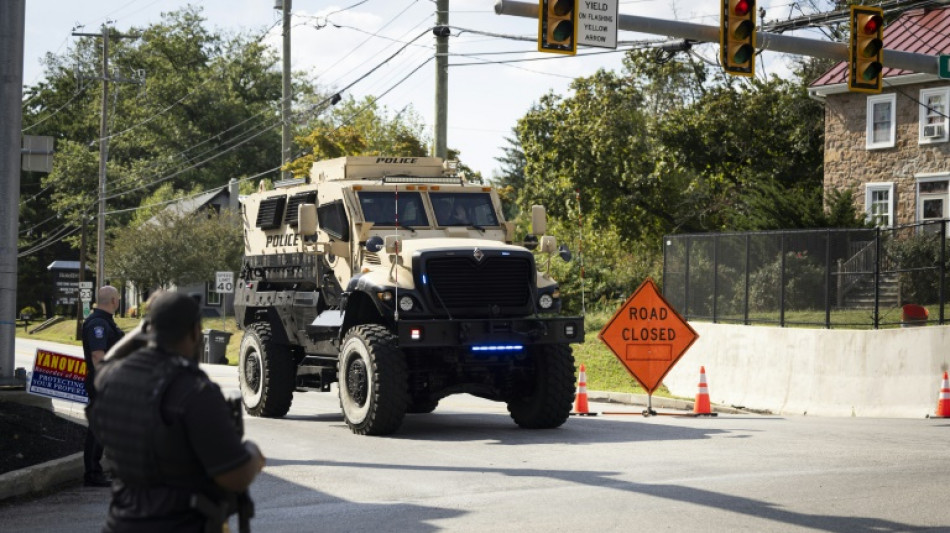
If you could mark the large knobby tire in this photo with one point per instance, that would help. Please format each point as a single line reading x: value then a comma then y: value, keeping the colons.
x: 266, y: 373
x: 549, y: 403
x: 373, y: 378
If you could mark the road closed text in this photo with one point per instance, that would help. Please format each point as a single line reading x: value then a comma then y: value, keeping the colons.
x: 648, y: 332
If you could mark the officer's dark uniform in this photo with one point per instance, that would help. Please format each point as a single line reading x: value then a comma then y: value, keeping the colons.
x: 168, y: 431
x: 99, y: 332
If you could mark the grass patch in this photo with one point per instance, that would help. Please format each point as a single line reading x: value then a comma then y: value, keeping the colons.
x: 65, y: 333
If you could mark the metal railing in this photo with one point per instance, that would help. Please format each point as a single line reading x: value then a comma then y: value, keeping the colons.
x: 855, y: 278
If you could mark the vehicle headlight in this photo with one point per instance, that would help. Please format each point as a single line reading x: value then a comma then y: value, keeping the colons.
x: 406, y: 303
x: 545, y: 301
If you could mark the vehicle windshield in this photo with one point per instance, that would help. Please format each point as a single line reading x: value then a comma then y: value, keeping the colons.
x: 379, y: 207
x: 463, y: 209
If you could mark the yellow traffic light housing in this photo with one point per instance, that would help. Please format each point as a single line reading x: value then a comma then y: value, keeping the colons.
x: 557, y: 26
x: 737, y: 37
x: 866, y: 50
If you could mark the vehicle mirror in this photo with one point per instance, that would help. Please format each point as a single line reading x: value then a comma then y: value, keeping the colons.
x: 564, y: 252
x: 374, y: 244
x: 539, y: 220
x: 530, y: 242
x: 548, y: 244
x: 307, y: 220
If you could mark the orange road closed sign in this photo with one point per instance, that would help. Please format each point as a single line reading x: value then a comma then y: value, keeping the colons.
x: 648, y: 336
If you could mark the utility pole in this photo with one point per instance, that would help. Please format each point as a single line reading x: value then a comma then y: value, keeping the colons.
x: 82, y: 277
x: 12, y: 15
x: 922, y: 63
x: 442, y: 32
x: 103, y: 150
x: 287, y: 96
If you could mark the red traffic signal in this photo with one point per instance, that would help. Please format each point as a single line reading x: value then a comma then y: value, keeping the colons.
x: 557, y: 21
x: 866, y: 49
x: 737, y: 37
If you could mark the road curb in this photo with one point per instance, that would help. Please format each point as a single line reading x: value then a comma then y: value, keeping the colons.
x: 659, y: 402
x: 42, y: 477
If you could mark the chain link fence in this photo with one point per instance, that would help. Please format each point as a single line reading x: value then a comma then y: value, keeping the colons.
x: 831, y: 278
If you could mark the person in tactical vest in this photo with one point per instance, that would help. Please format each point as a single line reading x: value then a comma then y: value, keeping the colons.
x: 99, y: 334
x: 179, y: 463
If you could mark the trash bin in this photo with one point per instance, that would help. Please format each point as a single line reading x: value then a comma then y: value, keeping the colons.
x: 913, y: 315
x: 216, y: 345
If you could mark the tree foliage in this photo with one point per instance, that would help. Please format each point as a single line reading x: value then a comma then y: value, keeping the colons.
x: 363, y: 127
x: 204, y: 112
x: 670, y: 146
x: 177, y: 249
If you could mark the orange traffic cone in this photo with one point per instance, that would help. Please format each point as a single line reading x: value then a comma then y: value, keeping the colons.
x: 580, y: 402
x: 943, y: 402
x: 702, y: 407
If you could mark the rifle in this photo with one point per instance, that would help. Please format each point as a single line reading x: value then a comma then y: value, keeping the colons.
x: 217, y: 514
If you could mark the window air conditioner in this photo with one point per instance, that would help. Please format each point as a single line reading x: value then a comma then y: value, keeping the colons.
x: 933, y: 131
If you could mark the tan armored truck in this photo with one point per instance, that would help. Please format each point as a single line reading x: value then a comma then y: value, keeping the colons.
x: 403, y: 283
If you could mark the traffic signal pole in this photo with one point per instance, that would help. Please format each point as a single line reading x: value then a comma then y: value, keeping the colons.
x: 922, y: 63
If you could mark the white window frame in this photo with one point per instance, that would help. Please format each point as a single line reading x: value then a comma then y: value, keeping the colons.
x: 924, y: 95
x: 872, y: 102
x: 918, y: 200
x: 870, y: 188
x: 212, y: 298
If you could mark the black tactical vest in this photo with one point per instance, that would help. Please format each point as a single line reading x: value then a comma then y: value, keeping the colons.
x: 127, y: 419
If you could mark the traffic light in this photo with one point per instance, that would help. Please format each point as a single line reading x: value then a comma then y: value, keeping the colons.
x: 737, y: 37
x: 557, y: 21
x: 866, y: 52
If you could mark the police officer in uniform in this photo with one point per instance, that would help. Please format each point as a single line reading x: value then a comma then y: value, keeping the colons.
x: 179, y: 462
x: 99, y: 334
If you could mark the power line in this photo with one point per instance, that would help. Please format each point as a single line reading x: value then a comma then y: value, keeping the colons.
x: 264, y: 129
x: 54, y: 113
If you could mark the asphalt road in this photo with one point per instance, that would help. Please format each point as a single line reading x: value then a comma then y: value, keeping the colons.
x: 467, y: 467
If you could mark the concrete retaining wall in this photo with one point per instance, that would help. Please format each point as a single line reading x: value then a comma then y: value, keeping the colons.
x: 882, y: 373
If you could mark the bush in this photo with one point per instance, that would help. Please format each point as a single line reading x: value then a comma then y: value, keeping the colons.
x: 30, y: 310
x: 918, y: 259
x: 804, y: 284
x: 612, y: 268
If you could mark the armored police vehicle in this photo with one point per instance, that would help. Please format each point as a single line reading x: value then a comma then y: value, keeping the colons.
x: 402, y: 282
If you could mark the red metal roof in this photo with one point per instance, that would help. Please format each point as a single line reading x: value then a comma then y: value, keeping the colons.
x: 921, y: 31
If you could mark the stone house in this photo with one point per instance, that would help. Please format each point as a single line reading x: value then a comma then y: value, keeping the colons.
x: 893, y: 149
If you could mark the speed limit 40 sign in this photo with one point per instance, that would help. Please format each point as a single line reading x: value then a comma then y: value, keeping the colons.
x: 224, y: 282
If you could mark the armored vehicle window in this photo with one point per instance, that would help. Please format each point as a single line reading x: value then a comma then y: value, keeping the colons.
x: 271, y: 212
x: 332, y: 217
x: 463, y: 209
x: 380, y: 208
x: 295, y: 202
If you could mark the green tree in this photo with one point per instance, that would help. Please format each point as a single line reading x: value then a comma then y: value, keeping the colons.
x: 355, y: 127
x: 206, y: 112
x: 510, y: 181
x: 177, y: 249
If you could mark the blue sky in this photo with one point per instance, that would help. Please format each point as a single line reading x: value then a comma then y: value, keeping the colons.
x: 485, y: 98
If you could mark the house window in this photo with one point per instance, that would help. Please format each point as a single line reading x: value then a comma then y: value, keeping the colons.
x: 879, y: 204
x: 212, y: 298
x: 933, y: 115
x: 933, y: 198
x: 881, y: 121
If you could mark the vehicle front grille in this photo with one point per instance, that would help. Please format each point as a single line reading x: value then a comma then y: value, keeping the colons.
x: 496, y: 285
